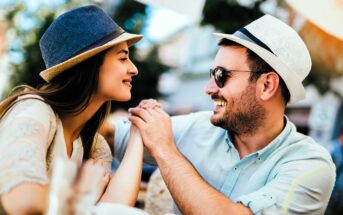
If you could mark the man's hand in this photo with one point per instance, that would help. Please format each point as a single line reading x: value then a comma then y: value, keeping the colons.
x: 149, y: 103
x: 155, y: 127
x: 156, y: 130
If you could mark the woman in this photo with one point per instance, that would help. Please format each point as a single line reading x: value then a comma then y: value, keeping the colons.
x: 87, y: 59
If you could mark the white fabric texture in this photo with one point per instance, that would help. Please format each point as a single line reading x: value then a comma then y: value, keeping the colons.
x: 31, y: 136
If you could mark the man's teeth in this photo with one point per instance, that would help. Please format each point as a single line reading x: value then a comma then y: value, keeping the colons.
x: 219, y: 103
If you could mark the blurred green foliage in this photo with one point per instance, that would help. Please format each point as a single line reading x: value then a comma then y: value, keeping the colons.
x: 228, y: 15
x: 26, y: 70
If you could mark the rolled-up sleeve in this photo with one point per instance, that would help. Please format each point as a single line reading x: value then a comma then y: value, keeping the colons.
x: 299, y: 187
x: 121, y: 137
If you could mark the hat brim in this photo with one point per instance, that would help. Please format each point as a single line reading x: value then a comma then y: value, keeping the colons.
x: 53, y: 71
x: 296, y: 89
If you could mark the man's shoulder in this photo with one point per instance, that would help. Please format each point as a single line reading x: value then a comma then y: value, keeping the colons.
x: 305, y: 147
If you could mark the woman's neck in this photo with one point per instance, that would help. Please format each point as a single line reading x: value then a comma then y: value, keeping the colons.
x: 73, y: 124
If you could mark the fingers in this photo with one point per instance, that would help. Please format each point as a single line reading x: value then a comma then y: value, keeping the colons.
x: 161, y: 111
x: 149, y: 103
x: 146, y: 113
x: 142, y: 113
x: 152, y: 112
x: 140, y: 117
x: 137, y: 121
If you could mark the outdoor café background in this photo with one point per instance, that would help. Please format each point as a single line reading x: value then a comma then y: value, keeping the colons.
x: 175, y: 56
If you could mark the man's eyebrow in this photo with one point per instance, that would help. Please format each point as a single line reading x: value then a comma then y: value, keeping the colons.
x: 123, y: 51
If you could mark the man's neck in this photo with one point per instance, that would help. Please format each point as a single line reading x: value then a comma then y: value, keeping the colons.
x: 266, y: 133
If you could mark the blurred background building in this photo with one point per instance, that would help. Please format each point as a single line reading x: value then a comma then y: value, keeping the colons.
x: 178, y: 49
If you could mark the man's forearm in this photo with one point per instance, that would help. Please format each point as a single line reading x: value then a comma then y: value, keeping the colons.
x: 190, y: 192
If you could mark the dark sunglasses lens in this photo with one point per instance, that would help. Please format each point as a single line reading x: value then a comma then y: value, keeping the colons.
x: 219, y: 77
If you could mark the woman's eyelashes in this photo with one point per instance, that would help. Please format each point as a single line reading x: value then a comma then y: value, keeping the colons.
x: 123, y: 59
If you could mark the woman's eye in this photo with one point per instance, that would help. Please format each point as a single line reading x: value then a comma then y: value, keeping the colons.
x: 123, y: 59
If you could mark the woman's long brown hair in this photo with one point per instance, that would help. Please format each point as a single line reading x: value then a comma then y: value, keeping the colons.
x: 69, y: 94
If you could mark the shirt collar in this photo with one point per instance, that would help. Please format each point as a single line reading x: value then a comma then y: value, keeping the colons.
x: 272, y: 146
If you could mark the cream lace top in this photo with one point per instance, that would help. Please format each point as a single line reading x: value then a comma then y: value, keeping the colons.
x: 31, y: 136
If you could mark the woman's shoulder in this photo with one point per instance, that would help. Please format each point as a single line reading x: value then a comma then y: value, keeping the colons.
x: 31, y: 101
x: 30, y: 107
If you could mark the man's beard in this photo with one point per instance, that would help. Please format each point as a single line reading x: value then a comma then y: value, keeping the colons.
x: 242, y: 115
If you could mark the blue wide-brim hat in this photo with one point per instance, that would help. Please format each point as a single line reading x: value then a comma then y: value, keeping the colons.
x: 78, y: 35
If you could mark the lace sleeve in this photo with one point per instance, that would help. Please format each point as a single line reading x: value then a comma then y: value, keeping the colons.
x: 101, y: 150
x: 24, y: 134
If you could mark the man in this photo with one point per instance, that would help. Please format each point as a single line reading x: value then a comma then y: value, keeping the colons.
x: 252, y: 160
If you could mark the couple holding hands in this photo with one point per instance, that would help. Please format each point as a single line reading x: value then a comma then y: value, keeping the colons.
x: 244, y: 157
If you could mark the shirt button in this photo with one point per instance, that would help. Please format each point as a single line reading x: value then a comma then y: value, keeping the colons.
x: 235, y: 168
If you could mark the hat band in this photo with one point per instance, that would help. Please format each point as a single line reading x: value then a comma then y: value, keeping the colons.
x: 244, y: 34
x: 119, y: 31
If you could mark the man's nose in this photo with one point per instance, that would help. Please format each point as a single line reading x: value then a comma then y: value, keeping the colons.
x: 211, y: 87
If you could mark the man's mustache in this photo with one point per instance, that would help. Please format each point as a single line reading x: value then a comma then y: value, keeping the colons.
x: 218, y: 97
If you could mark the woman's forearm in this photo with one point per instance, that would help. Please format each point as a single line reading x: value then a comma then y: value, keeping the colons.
x: 124, y: 185
x: 26, y: 199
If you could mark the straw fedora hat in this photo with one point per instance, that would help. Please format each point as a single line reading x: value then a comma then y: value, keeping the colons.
x: 326, y: 14
x: 281, y: 47
x: 78, y: 35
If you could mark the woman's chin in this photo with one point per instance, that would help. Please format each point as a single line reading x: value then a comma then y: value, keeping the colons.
x: 123, y: 98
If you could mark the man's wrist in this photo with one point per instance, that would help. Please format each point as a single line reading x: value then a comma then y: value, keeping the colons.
x: 166, y: 154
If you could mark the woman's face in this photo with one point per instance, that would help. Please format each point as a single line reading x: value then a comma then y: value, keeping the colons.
x: 115, y: 75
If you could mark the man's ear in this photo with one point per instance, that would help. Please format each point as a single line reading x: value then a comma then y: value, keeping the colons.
x: 268, y: 85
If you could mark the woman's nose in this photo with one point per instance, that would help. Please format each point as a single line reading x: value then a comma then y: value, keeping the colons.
x: 133, y: 69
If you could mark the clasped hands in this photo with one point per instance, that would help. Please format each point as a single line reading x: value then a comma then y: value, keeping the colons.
x: 154, y: 125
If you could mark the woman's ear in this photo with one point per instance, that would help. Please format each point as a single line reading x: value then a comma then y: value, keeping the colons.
x: 268, y: 85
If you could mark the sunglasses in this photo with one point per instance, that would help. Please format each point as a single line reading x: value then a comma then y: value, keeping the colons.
x: 221, y: 74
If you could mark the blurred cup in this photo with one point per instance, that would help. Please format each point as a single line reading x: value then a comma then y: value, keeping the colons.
x: 88, y: 187
x: 63, y: 175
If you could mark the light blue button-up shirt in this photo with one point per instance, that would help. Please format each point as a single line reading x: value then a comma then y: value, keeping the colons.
x: 292, y: 174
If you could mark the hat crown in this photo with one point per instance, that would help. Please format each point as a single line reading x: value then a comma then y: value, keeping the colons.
x: 73, y: 32
x: 284, y: 42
